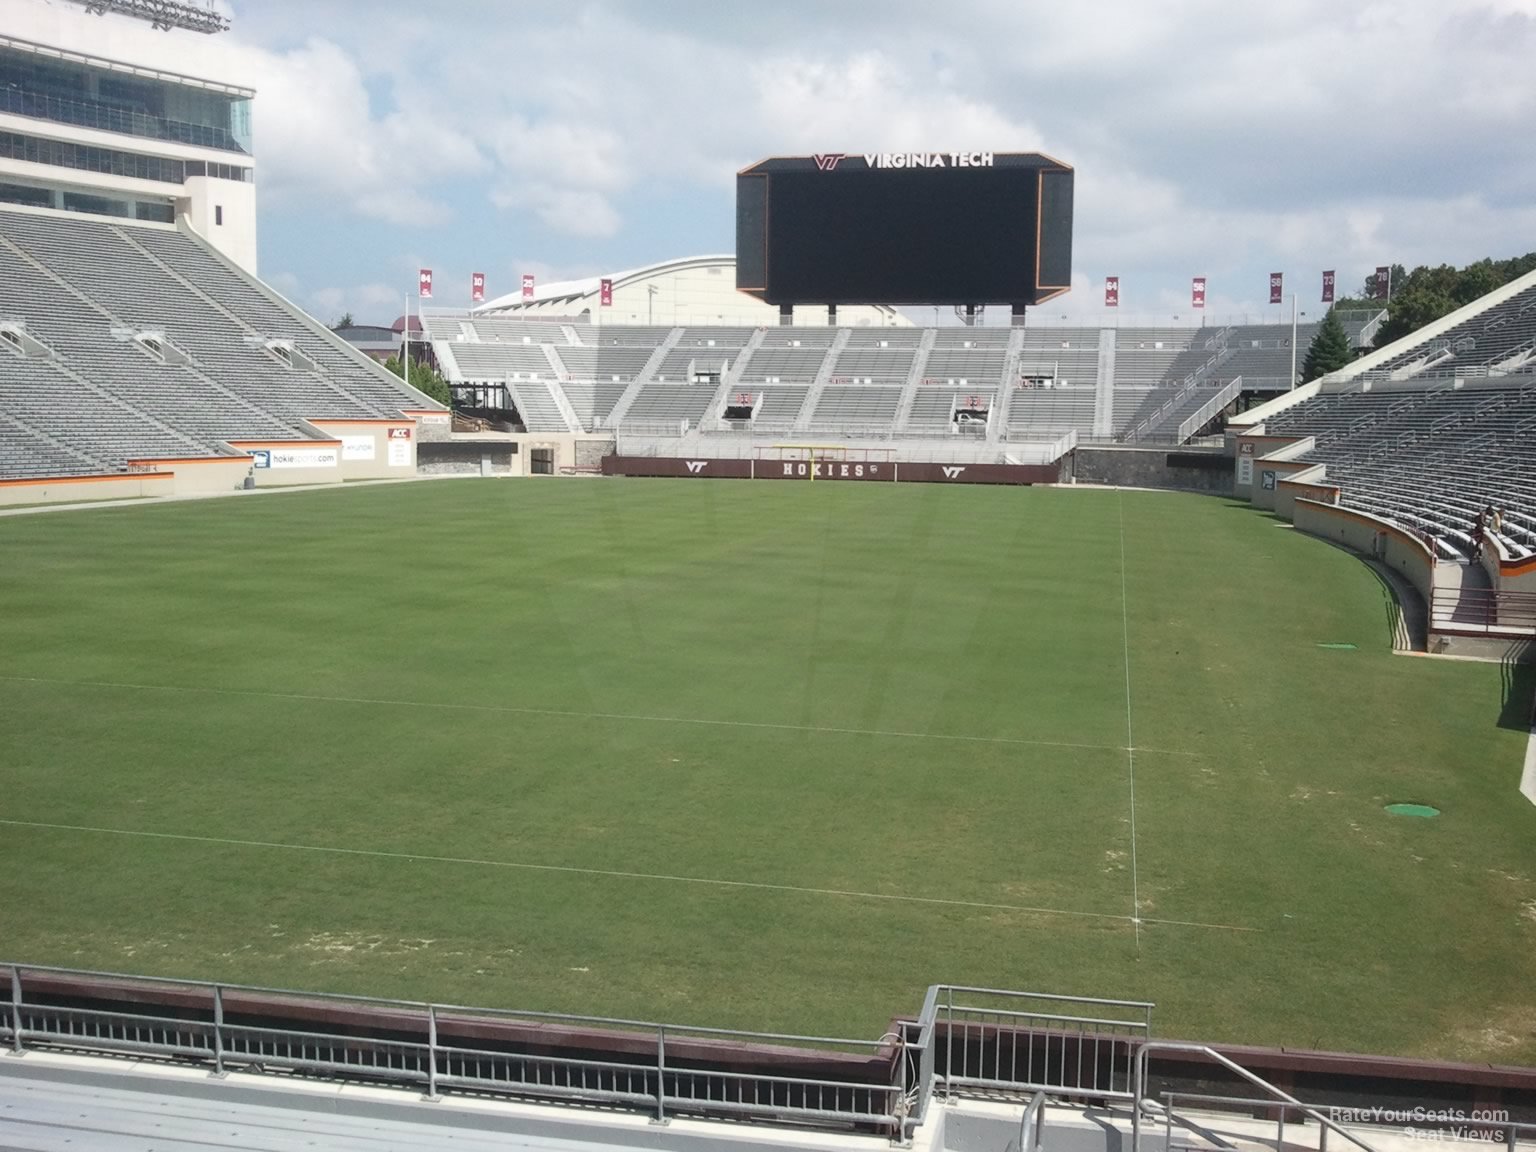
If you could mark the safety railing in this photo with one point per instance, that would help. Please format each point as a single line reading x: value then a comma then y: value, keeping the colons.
x: 965, y: 1041
x: 1202, y: 415
x: 998, y: 1041
x: 1487, y: 1126
x: 1142, y: 1104
x: 1486, y: 608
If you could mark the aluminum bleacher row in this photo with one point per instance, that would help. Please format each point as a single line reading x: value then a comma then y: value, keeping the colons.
x: 124, y: 341
x: 1498, y: 340
x: 1430, y: 459
x: 1439, y: 427
x: 1098, y: 382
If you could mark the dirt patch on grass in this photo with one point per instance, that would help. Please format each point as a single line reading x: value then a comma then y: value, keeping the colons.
x: 1505, y: 1032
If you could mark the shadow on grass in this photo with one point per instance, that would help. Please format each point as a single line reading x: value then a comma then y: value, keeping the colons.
x: 1519, y: 690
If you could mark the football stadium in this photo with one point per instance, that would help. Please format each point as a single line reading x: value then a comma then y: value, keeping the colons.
x: 1135, y: 742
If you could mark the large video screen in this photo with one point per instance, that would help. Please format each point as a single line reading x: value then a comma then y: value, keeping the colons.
x: 926, y: 228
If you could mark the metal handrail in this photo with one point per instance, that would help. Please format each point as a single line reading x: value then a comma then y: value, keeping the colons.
x: 1141, y: 1103
x: 1510, y: 1128
x: 1033, y: 1117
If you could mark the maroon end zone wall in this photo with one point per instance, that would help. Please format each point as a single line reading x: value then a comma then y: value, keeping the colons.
x: 866, y: 470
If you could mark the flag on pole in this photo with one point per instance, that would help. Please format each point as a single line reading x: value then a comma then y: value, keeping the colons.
x: 527, y: 285
x: 424, y: 283
x: 605, y: 292
x: 1197, y: 292
x: 1111, y: 291
x: 477, y: 287
x: 1327, y: 287
x: 1276, y: 291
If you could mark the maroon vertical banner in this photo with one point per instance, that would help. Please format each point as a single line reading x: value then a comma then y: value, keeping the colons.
x: 605, y: 292
x: 1327, y: 287
x: 477, y: 286
x: 1383, y: 282
x: 1111, y: 291
x: 424, y: 283
x: 1197, y: 292
x: 527, y: 285
x: 1276, y: 289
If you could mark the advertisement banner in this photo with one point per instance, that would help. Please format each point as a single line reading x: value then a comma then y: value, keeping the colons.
x: 1383, y: 282
x: 1197, y: 292
x: 357, y: 448
x: 527, y: 285
x: 1276, y: 289
x: 1111, y: 291
x: 424, y: 283
x: 605, y: 292
x: 399, y: 447
x: 477, y: 287
x: 1327, y: 287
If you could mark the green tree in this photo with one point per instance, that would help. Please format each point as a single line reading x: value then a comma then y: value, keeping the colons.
x: 1330, y: 349
x: 424, y: 378
x: 342, y: 321
x: 1426, y: 294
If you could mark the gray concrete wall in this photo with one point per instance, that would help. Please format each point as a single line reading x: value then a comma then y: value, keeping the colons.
x: 1155, y: 468
x: 456, y: 458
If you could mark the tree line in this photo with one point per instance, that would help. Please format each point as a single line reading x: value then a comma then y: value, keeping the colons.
x: 1418, y: 298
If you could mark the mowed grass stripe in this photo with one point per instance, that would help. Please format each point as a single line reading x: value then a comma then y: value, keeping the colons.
x: 929, y: 610
x: 515, y: 710
x: 609, y: 874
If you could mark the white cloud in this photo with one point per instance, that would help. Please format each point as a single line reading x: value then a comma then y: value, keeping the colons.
x: 1209, y: 137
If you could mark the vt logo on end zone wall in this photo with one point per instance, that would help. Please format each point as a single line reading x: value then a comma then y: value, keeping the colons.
x: 696, y: 466
x: 827, y: 161
x: 952, y: 471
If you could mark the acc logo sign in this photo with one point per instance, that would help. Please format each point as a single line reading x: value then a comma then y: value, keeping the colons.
x: 399, y: 433
x: 827, y: 161
x: 696, y: 466
x: 951, y: 472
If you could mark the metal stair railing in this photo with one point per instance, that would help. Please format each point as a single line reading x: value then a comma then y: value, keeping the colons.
x: 1142, y: 1104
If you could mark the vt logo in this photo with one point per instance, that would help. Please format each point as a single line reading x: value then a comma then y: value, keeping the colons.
x: 827, y: 161
x: 695, y: 466
x: 952, y: 471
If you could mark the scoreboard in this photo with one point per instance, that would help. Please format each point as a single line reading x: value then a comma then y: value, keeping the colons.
x: 914, y: 228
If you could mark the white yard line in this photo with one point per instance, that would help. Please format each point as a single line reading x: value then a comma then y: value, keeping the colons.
x: 571, y: 714
x: 603, y: 872
x: 1130, y: 740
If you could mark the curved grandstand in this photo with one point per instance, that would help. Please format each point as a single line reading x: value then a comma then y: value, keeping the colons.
x: 976, y: 386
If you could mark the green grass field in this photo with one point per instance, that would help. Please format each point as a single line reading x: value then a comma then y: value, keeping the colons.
x: 760, y: 755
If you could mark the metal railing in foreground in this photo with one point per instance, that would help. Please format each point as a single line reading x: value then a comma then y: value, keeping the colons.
x: 965, y: 1040
x: 1142, y: 1104
x: 997, y: 1041
x: 1489, y: 1126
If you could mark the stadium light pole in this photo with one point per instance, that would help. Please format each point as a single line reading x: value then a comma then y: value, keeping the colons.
x: 1293, y: 342
x: 407, y: 357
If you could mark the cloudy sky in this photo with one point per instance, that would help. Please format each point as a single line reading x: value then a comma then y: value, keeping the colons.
x: 1211, y: 137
